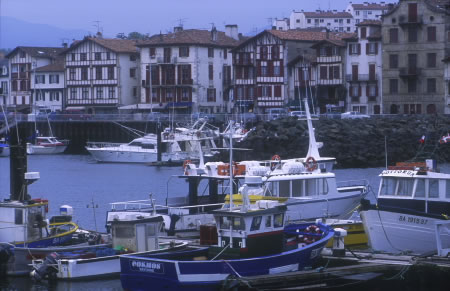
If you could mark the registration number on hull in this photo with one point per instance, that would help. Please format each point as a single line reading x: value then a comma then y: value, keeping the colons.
x: 412, y: 219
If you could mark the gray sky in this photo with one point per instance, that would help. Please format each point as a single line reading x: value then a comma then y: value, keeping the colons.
x: 153, y: 16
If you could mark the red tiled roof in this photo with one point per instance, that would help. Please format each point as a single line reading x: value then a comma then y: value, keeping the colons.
x: 116, y: 44
x: 371, y: 6
x: 327, y: 14
x: 369, y: 22
x: 191, y: 36
x: 54, y: 67
x: 38, y: 52
x: 304, y: 35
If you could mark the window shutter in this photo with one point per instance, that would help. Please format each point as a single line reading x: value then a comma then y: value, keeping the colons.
x: 261, y: 53
x: 259, y: 91
x: 359, y: 48
x: 258, y: 65
x: 330, y: 73
x: 359, y: 91
x: 367, y: 90
x: 238, y: 72
x: 281, y: 69
x: 269, y: 91
x: 270, y: 68
x: 179, y: 70
x: 367, y: 48
x: 337, y: 74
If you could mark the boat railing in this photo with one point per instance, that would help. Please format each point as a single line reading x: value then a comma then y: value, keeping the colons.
x: 199, y: 208
x: 352, y: 183
x: 93, y: 144
x: 441, y: 231
x: 132, y: 205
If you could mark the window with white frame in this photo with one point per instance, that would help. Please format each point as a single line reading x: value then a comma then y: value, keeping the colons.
x: 372, y: 48
x: 99, y: 93
x: 111, y: 93
x: 85, y: 93
x: 54, y: 79
x: 265, y: 91
x: 277, y: 69
x: 355, y: 91
x: 73, y: 93
x: 72, y: 74
x: 39, y: 79
x: 54, y: 96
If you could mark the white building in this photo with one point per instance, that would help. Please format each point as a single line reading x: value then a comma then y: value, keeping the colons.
x: 364, y: 68
x: 188, y: 70
x: 334, y: 20
x: 22, y: 62
x: 368, y: 11
x: 4, y: 82
x: 101, y: 74
x: 48, y: 86
x: 281, y: 24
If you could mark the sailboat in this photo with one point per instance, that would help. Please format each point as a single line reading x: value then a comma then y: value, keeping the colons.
x: 45, y: 145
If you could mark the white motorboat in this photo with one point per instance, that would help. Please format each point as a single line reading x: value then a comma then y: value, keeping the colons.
x: 412, y: 199
x: 177, y: 145
x: 47, y: 145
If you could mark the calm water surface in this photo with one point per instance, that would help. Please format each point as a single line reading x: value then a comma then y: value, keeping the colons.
x: 77, y: 180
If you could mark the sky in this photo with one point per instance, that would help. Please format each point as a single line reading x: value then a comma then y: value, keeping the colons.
x: 155, y: 16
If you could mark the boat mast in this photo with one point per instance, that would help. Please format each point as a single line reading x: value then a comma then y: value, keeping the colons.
x: 313, y: 149
x: 231, y: 181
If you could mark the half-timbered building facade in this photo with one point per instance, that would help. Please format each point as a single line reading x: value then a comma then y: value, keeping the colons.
x: 101, y: 74
x: 4, y: 82
x: 261, y: 79
x: 22, y: 62
x: 48, y: 84
x: 188, y: 70
x: 364, y: 68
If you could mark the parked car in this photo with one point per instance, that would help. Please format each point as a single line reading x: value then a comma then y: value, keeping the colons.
x: 353, y: 115
x: 157, y: 116
x: 275, y: 113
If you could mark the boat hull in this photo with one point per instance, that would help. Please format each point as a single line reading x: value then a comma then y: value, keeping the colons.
x: 101, y: 267
x: 20, y: 263
x: 117, y: 156
x: 45, y: 150
x: 153, y: 273
x: 395, y: 232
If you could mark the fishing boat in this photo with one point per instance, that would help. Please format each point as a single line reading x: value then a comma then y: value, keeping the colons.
x: 252, y: 240
x: 133, y: 234
x: 25, y: 231
x: 177, y: 144
x: 412, y: 198
x: 47, y: 145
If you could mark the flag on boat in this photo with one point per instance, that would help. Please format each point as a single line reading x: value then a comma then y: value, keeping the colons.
x: 422, y: 140
x: 445, y: 139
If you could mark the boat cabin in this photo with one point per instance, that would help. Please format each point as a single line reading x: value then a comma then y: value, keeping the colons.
x: 22, y: 221
x: 47, y: 141
x: 415, y: 187
x: 136, y: 233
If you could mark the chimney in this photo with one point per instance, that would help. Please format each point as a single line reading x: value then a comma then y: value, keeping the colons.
x: 214, y: 34
x: 231, y: 30
x: 178, y: 28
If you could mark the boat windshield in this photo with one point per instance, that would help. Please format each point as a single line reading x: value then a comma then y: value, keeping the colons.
x: 236, y: 222
x: 297, y: 188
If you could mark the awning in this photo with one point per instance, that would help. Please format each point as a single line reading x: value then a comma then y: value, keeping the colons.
x: 75, y: 108
x: 179, y: 104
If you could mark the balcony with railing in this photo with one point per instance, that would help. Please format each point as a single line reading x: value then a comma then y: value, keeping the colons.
x: 361, y: 78
x: 329, y: 59
x: 166, y: 60
x: 410, y: 20
x: 409, y: 72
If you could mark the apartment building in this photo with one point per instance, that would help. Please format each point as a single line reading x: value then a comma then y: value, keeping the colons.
x: 368, y: 11
x: 188, y: 70
x: 101, y: 74
x: 4, y: 82
x: 415, y: 39
x: 333, y: 20
x: 262, y: 80
x: 22, y: 62
x: 363, y: 66
x: 48, y: 86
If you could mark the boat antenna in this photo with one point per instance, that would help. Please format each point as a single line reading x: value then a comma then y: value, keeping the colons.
x: 93, y: 206
x: 385, y: 151
x: 231, y: 165
x: 313, y: 149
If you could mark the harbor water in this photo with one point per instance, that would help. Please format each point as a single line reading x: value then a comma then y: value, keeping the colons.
x: 89, y: 187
